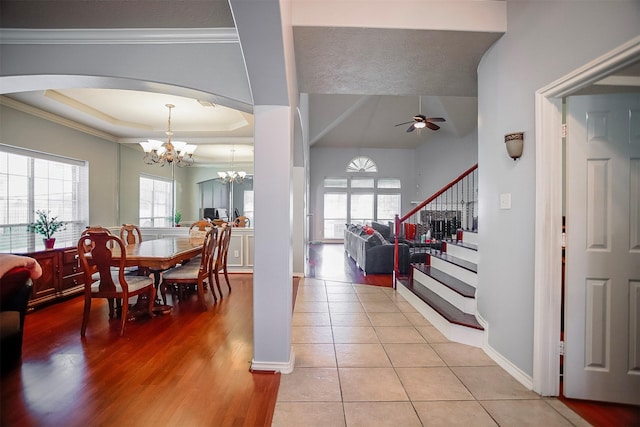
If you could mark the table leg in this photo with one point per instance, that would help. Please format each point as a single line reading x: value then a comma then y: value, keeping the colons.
x: 159, y: 307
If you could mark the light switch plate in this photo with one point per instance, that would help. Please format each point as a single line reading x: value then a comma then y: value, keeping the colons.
x: 505, y: 201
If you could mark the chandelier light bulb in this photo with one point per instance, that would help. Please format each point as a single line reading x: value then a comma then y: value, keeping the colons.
x: 177, y: 153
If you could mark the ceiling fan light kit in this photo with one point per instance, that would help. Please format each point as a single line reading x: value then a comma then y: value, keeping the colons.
x: 420, y: 121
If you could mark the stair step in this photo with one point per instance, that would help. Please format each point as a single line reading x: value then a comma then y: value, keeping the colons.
x: 447, y: 280
x: 446, y: 310
x: 470, y: 266
x: 470, y: 246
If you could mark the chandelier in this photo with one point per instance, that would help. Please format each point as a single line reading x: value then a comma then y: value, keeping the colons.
x: 176, y: 153
x: 232, y: 175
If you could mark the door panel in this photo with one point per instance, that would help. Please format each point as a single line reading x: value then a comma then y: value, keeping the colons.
x: 603, y: 260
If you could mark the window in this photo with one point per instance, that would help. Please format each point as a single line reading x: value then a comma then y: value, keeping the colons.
x: 335, y: 215
x: 361, y: 208
x: 388, y: 206
x: 32, y: 181
x: 156, y: 202
x: 362, y: 164
x: 248, y: 205
x: 359, y: 200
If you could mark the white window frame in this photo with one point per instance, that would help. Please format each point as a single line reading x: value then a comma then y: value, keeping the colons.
x: 14, y: 236
x: 349, y: 190
x: 168, y: 218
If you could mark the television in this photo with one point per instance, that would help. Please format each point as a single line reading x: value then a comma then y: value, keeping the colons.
x: 211, y: 213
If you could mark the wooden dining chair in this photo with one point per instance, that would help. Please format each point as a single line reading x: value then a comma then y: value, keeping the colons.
x: 220, y: 261
x: 94, y: 251
x: 130, y: 233
x: 201, y: 225
x: 198, y: 273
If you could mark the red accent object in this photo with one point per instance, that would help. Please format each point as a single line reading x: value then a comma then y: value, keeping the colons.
x: 48, y: 243
x: 459, y: 235
x: 410, y: 230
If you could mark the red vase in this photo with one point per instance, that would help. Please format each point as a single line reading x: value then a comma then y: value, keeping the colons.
x: 48, y: 243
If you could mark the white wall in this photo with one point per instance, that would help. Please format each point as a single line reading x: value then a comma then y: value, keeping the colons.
x: 544, y: 41
x: 332, y: 162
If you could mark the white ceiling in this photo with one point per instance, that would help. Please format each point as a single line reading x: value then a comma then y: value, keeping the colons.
x: 361, y: 81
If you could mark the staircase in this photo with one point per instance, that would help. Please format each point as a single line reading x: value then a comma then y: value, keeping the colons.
x: 442, y: 287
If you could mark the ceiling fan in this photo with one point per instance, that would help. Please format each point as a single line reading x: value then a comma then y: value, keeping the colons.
x: 420, y: 121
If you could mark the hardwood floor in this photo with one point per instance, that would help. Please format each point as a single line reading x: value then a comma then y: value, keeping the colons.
x: 329, y: 262
x: 189, y: 368
x: 186, y: 368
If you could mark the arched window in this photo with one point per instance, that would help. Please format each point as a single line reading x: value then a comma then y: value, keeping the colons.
x: 362, y: 164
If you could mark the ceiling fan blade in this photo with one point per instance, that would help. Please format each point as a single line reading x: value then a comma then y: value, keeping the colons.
x: 432, y: 126
x: 405, y: 123
x: 411, y: 128
x: 435, y: 119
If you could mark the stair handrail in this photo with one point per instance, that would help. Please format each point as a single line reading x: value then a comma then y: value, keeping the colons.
x: 399, y: 220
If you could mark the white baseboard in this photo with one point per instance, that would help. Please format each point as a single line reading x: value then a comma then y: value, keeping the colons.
x: 282, y: 367
x: 517, y: 373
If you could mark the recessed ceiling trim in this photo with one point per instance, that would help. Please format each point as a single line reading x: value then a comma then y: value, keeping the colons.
x: 19, y: 106
x: 119, y: 36
x: 79, y: 106
x: 201, y: 141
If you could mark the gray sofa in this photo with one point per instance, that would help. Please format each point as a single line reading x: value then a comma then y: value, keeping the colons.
x: 373, y: 253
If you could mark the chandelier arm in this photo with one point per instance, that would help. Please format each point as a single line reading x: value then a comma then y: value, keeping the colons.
x: 168, y: 151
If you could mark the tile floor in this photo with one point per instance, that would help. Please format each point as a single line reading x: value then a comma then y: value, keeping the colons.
x: 366, y: 357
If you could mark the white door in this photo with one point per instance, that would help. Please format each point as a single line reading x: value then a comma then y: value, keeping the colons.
x: 602, y: 309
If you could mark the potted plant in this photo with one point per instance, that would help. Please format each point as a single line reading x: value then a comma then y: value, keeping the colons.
x: 47, y: 226
x: 177, y: 217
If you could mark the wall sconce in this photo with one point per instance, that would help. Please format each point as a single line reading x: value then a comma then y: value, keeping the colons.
x: 515, y: 142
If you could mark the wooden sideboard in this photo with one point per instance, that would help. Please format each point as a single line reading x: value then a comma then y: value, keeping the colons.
x: 62, y: 275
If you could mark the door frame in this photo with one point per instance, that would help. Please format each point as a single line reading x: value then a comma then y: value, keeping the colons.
x: 548, y: 209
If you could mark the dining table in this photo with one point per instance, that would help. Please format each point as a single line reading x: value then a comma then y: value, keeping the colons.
x: 159, y: 255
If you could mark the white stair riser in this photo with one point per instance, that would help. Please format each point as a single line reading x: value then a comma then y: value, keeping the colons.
x: 469, y: 277
x: 462, y: 303
x: 470, y: 237
x: 463, y: 253
x: 451, y: 331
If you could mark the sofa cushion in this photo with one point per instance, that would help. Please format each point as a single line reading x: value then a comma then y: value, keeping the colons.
x: 385, y: 230
x: 376, y: 239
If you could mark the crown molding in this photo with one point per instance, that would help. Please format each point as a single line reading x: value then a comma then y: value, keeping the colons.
x: 16, y: 105
x: 119, y: 36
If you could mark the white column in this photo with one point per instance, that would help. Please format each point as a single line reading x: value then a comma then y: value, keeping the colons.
x: 272, y: 272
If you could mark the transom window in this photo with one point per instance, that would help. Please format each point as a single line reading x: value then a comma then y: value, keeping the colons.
x: 32, y: 181
x: 362, y: 164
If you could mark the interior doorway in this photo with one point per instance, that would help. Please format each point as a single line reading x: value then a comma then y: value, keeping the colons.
x: 549, y: 208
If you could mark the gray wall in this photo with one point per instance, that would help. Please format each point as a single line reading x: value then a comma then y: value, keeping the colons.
x: 26, y: 131
x: 442, y: 159
x: 544, y: 41
x: 113, y: 184
x: 332, y: 162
